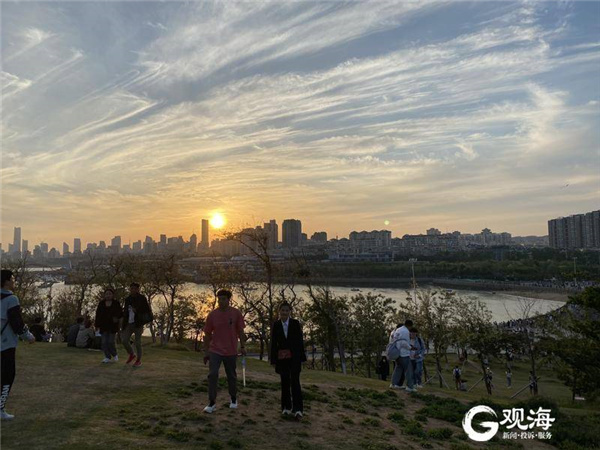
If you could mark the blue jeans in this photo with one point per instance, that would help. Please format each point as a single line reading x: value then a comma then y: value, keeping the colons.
x: 108, y: 345
x: 403, y: 366
x: 418, y: 371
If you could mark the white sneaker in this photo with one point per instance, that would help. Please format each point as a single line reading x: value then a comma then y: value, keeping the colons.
x: 410, y: 389
x: 105, y: 360
x: 419, y: 386
x: 233, y: 405
x: 210, y: 409
x: 6, y: 416
x: 115, y: 358
x: 298, y: 415
x: 286, y: 412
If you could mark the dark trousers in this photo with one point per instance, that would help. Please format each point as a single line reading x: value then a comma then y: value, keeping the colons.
x: 126, y: 337
x: 291, y: 391
x: 8, y: 374
x: 108, y: 345
x: 214, y: 363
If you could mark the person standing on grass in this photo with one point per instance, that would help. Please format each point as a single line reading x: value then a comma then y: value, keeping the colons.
x: 508, y: 378
x: 108, y: 315
x: 457, y: 375
x: 287, y: 355
x: 13, y: 327
x: 403, y: 365
x: 419, y: 356
x: 223, y: 327
x: 137, y: 313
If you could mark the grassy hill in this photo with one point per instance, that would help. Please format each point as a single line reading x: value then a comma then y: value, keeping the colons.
x: 65, y: 398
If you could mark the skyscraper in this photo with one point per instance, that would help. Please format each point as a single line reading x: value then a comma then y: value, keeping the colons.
x: 576, y: 231
x: 205, y: 234
x: 291, y: 233
x: 65, y: 249
x: 116, y: 242
x: 17, y: 240
x: 193, y: 243
x: 25, y: 246
x: 272, y: 231
x: 77, y: 246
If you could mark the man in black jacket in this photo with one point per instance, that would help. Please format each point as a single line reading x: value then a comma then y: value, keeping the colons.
x: 136, y: 314
x: 287, y: 355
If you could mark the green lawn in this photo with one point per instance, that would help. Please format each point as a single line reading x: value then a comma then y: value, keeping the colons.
x: 65, y: 398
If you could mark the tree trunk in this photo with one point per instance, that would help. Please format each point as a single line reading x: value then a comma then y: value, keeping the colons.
x: 438, y: 366
x: 488, y: 385
x: 262, y: 348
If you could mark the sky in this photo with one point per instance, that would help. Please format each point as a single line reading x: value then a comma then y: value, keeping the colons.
x: 136, y: 118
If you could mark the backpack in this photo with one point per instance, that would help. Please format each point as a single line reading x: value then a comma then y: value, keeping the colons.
x: 392, y: 351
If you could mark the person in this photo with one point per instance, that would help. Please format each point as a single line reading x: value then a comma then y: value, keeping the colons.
x: 57, y: 336
x: 403, y: 367
x: 456, y: 374
x: 86, y: 335
x: 532, y: 383
x: 37, y: 329
x: 384, y: 368
x: 223, y: 327
x: 73, y: 332
x: 287, y: 355
x: 508, y: 378
x: 137, y: 313
x: 13, y: 327
x: 419, y: 357
x: 108, y: 315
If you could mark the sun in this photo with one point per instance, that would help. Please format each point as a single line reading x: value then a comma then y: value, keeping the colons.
x: 217, y: 221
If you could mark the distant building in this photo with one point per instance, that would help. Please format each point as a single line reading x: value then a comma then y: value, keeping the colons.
x: 115, y: 244
x: 193, y: 243
x: 137, y: 246
x: 575, y: 232
x: 291, y: 233
x: 17, y: 240
x: 53, y: 253
x: 44, y: 249
x: 77, y: 246
x: 433, y: 232
x: 272, y: 231
x: 205, y: 242
x: 25, y: 247
x: 319, y: 236
x: 371, y: 240
x: 65, y: 249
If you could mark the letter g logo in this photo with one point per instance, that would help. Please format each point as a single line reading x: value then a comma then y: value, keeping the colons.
x: 491, y: 426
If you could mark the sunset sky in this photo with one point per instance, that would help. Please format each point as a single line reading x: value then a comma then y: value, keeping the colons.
x: 138, y: 118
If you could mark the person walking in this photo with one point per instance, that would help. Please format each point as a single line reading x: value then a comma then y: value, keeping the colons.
x: 13, y: 327
x: 457, y: 375
x: 508, y: 378
x: 108, y: 315
x: 287, y: 355
x: 137, y: 313
x: 403, y: 367
x: 223, y: 327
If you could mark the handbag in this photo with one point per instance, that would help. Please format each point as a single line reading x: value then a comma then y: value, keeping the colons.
x: 284, y: 354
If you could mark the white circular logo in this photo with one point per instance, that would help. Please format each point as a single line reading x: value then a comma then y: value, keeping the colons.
x: 492, y: 427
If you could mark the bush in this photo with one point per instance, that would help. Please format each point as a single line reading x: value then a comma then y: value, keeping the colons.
x: 440, y: 433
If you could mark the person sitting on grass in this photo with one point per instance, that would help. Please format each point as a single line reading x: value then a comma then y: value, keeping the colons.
x: 223, y: 327
x: 86, y: 335
x: 73, y: 332
x: 38, y: 330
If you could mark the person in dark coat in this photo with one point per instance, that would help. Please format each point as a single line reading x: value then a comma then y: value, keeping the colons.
x: 108, y: 315
x: 384, y: 368
x: 73, y: 332
x: 287, y: 355
x: 136, y: 314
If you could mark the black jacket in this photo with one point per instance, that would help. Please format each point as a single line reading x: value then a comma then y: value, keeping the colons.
x: 293, y: 342
x: 143, y: 312
x: 107, y: 318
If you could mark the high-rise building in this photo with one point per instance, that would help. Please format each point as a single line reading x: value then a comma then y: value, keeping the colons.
x: 291, y: 233
x: 205, y: 234
x: 17, y: 240
x: 53, y: 253
x: 272, y: 231
x: 115, y: 243
x: 576, y: 231
x: 193, y: 243
x: 371, y: 240
x: 44, y: 249
x: 319, y: 236
x: 77, y: 246
x: 163, y: 239
x: 65, y: 249
x: 24, y: 246
x: 137, y: 246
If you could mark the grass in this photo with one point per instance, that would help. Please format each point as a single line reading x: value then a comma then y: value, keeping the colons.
x: 64, y: 398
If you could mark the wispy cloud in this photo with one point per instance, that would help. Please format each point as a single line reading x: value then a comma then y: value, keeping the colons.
x: 340, y: 114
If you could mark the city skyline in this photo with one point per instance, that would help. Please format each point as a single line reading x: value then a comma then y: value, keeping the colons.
x: 135, y: 118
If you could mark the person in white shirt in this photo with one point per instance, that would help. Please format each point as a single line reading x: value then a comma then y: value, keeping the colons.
x: 403, y: 367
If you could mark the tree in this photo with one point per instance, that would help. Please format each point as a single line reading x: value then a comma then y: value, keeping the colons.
x: 572, y: 341
x: 25, y: 285
x: 434, y: 314
x: 372, y: 317
x: 84, y: 278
